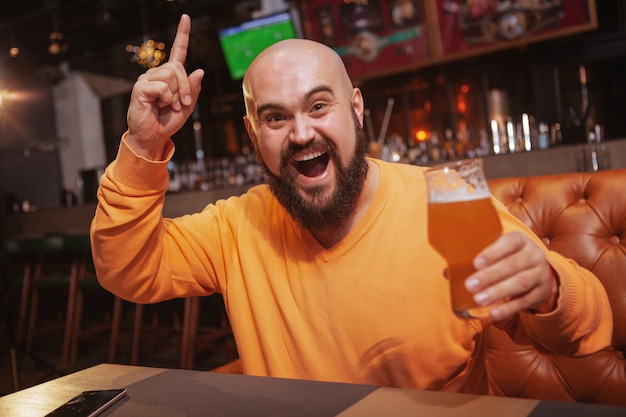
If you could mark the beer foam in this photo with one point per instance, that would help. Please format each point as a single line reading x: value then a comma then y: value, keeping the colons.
x: 460, y: 194
x: 446, y: 186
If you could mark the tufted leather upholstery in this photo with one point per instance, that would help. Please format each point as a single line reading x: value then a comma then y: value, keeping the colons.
x: 583, y: 217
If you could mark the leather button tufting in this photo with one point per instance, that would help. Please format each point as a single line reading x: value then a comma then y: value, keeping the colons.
x: 545, y: 240
x: 614, y: 240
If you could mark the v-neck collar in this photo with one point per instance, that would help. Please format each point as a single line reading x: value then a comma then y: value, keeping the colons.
x: 360, y: 229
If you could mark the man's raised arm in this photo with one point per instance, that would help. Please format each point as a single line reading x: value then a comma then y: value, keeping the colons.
x: 128, y: 232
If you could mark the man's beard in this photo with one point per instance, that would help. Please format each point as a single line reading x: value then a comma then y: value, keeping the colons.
x: 317, y: 213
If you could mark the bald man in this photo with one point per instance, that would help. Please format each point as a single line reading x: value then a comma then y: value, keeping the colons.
x: 326, y: 270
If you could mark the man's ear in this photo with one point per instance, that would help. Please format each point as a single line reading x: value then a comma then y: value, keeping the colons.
x: 357, y: 104
x: 248, y: 124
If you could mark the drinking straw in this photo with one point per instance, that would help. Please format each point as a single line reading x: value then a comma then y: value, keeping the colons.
x: 383, y: 129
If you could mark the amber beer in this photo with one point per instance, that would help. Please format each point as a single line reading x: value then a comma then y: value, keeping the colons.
x: 460, y: 224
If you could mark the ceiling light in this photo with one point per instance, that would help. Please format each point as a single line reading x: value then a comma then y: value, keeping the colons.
x: 14, y: 50
x: 56, y: 43
x: 149, y: 54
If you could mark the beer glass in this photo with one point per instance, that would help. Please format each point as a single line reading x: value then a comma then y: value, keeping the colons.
x: 461, y: 222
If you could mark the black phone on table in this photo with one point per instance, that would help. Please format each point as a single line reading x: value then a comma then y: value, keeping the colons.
x: 88, y: 403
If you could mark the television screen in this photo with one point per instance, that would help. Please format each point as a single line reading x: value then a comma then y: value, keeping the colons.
x: 242, y: 43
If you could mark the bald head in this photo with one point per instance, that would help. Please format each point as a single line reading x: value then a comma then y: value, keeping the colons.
x: 299, y: 50
x: 292, y: 62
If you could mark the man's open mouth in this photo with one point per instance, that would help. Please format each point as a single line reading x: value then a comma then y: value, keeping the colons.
x: 311, y: 164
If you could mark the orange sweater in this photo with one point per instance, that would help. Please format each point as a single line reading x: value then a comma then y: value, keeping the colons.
x: 372, y: 309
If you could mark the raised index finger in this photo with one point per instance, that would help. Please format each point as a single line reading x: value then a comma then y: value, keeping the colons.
x: 181, y: 41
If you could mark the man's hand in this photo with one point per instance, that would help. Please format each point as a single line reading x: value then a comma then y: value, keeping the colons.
x: 162, y: 99
x: 516, y: 270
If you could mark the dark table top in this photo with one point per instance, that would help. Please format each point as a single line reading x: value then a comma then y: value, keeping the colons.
x: 173, y: 392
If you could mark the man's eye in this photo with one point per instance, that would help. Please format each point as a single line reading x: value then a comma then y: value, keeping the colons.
x: 275, y: 120
x: 318, y: 107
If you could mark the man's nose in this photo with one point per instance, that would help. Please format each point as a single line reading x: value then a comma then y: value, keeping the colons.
x: 302, y: 130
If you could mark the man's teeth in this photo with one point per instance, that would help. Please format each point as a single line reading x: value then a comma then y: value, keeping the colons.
x: 308, y: 157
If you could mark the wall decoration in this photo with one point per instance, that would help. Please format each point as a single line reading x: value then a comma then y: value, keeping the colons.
x: 373, y: 37
x: 470, y: 26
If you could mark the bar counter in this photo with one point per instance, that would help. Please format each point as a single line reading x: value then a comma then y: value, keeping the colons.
x: 76, y: 220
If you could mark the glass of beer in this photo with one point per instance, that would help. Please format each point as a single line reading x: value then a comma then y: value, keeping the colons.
x: 461, y: 222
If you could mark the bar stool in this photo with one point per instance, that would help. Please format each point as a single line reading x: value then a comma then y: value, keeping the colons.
x: 57, y: 271
x: 151, y: 325
x: 14, y: 266
x: 85, y: 283
x: 196, y: 335
x: 116, y: 322
x: 116, y: 330
x: 19, y: 268
x: 212, y: 336
x: 47, y: 270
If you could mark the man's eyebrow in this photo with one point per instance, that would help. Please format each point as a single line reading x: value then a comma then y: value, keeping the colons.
x: 319, y: 89
x: 267, y: 106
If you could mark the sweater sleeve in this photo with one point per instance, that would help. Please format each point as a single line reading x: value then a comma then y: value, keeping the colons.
x: 137, y: 254
x: 582, y: 321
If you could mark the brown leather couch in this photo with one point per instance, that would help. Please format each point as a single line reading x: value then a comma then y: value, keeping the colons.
x: 583, y: 217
